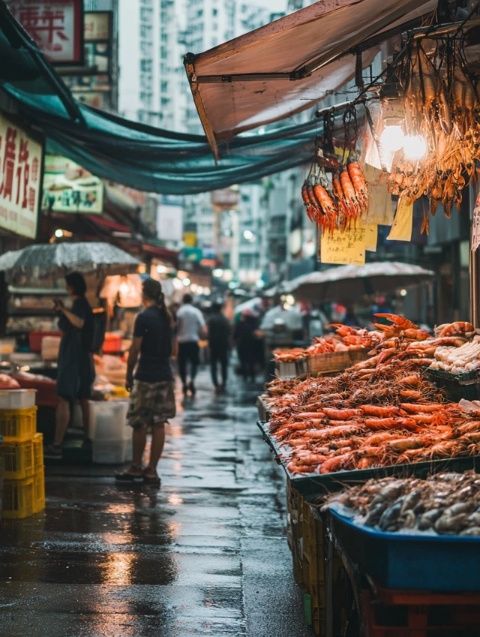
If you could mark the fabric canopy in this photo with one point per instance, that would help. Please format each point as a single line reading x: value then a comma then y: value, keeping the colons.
x: 139, y: 156
x: 350, y: 282
x: 291, y: 64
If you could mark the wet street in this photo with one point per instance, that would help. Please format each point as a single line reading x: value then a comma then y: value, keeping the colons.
x: 205, y: 555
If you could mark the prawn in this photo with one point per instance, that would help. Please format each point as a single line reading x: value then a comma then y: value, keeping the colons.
x: 422, y: 409
x: 399, y: 321
x: 341, y: 414
x: 458, y: 327
x: 376, y: 410
x: 337, y: 462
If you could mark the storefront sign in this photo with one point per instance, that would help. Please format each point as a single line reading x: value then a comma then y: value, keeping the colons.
x: 170, y: 223
x: 475, y: 242
x: 343, y: 247
x: 94, y: 86
x: 67, y: 187
x: 20, y: 179
x: 55, y: 25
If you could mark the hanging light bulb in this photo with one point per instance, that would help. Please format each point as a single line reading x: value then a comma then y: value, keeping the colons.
x: 414, y: 147
x: 391, y: 138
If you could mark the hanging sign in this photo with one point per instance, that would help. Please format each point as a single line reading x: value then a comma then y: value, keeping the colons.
x: 402, y: 226
x: 343, y: 247
x: 20, y: 170
x: 67, y: 187
x: 379, y: 199
x: 55, y: 25
x: 475, y: 242
x: 371, y: 236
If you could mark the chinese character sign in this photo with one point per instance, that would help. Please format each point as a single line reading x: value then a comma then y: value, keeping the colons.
x: 67, y: 187
x: 20, y: 167
x: 55, y: 25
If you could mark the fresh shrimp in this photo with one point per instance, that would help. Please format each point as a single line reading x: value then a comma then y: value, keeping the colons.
x: 336, y: 463
x: 415, y: 334
x: 412, y: 380
x: 458, y: 327
x: 399, y: 321
x: 341, y: 414
x: 376, y: 410
x: 469, y: 427
x: 444, y: 449
x: 402, y: 444
x: 415, y: 408
x: 380, y: 423
x: 411, y: 394
x: 332, y: 432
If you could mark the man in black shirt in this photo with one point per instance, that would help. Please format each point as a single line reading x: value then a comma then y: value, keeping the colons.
x: 219, y: 335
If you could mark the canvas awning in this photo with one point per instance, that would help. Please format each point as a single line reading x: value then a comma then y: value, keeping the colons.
x: 291, y: 64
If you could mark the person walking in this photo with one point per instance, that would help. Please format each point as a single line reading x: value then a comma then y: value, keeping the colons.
x: 219, y: 335
x: 75, y: 369
x: 150, y: 379
x: 190, y: 329
x: 247, y: 343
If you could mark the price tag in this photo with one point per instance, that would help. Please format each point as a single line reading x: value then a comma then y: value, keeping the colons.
x: 379, y: 199
x: 343, y: 247
x: 403, y: 223
x: 371, y: 236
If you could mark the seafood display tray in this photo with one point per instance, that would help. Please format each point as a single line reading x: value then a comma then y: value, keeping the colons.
x: 443, y: 563
x: 315, y: 484
x: 440, y: 374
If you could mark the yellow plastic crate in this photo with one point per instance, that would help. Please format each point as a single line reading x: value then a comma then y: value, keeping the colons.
x: 38, y: 452
x: 18, y: 460
x: 18, y: 498
x: 39, y: 491
x: 18, y: 425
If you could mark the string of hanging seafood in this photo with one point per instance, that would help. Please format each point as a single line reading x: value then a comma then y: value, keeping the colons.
x: 441, y: 123
x: 338, y: 201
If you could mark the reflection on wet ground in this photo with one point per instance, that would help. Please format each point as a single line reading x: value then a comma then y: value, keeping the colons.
x: 205, y: 555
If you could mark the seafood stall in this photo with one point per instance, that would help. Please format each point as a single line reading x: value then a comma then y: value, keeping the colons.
x: 381, y: 419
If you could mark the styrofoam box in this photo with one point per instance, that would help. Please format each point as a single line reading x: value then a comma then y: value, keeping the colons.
x: 111, y: 451
x: 108, y: 420
x: 17, y: 398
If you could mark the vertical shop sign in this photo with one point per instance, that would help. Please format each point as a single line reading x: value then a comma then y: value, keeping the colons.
x: 55, y: 25
x: 20, y: 172
x: 475, y: 242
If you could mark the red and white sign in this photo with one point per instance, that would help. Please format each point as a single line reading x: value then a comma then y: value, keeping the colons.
x: 55, y: 25
x: 20, y: 179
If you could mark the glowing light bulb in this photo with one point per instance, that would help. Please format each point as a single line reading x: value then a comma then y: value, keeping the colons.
x: 392, y: 138
x: 414, y: 147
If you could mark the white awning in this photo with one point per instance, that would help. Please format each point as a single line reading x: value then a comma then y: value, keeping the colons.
x: 291, y: 64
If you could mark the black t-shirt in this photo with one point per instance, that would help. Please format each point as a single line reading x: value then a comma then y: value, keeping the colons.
x: 219, y: 331
x: 154, y: 328
x: 81, y: 308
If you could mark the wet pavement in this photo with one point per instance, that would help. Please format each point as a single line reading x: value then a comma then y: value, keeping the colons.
x: 205, y: 555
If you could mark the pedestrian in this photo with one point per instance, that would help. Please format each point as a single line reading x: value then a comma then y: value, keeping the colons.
x: 247, y: 344
x: 219, y: 335
x: 150, y: 380
x: 190, y: 329
x: 75, y: 368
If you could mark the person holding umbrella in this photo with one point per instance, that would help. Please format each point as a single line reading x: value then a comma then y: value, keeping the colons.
x: 76, y: 371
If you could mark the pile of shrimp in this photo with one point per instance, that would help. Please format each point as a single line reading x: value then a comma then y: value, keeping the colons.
x: 379, y: 412
x: 344, y: 339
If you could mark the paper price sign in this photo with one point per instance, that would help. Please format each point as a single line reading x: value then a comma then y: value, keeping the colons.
x: 343, y: 247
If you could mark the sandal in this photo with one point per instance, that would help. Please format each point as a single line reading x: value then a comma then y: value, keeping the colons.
x: 129, y: 476
x: 151, y: 478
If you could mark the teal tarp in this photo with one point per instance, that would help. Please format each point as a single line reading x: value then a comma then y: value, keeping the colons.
x: 133, y: 154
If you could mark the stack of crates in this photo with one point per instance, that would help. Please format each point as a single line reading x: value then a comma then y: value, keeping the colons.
x: 21, y: 465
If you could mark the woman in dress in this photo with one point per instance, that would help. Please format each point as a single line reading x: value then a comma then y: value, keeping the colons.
x: 150, y: 379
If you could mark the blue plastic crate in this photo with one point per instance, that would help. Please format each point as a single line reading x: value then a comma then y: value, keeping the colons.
x: 443, y: 563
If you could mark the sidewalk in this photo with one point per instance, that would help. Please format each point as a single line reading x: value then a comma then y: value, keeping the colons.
x: 205, y: 555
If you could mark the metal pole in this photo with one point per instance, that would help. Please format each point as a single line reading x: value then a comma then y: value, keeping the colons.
x: 474, y: 265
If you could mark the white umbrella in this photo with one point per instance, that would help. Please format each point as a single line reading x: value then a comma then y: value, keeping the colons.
x: 56, y: 259
x: 350, y: 282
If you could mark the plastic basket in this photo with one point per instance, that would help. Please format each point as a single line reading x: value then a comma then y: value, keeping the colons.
x: 18, y: 498
x: 39, y: 491
x: 18, y: 425
x: 18, y: 459
x: 38, y: 452
x: 17, y: 398
x: 411, y: 561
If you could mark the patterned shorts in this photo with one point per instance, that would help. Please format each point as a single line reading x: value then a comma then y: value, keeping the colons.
x: 151, y: 404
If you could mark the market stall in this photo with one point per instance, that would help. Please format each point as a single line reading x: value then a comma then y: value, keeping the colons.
x: 30, y: 349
